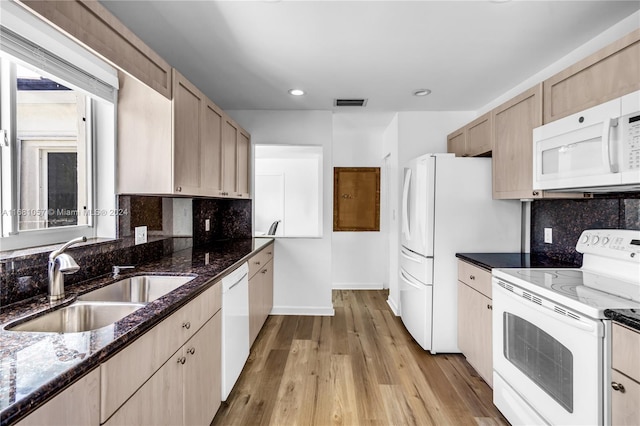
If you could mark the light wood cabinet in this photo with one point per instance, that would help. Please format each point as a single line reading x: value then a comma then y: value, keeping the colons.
x: 188, y: 121
x: 83, y: 396
x: 513, y: 124
x: 607, y: 74
x: 126, y: 386
x: 472, y: 140
x: 260, y: 290
x: 475, y: 318
x: 457, y: 143
x: 185, y: 146
x: 94, y: 26
x: 235, y: 160
x: 625, y: 376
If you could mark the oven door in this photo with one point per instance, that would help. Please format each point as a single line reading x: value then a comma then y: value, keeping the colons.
x: 545, y: 361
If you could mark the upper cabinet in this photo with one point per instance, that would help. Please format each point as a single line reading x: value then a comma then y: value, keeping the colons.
x: 94, y: 26
x: 513, y: 124
x: 472, y: 140
x: 185, y: 146
x: 607, y: 74
x: 506, y: 132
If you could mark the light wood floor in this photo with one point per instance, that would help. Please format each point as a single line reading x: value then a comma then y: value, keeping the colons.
x: 359, y: 367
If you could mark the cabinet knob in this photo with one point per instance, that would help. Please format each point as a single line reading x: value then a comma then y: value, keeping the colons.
x: 535, y: 193
x: 186, y: 325
x: 179, y: 189
x: 617, y: 387
x: 191, y: 351
x: 472, y: 277
x: 182, y: 360
x: 264, y: 271
x: 490, y: 307
x: 256, y: 262
x: 269, y: 253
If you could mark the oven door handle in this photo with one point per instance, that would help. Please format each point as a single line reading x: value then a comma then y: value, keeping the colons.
x: 572, y: 322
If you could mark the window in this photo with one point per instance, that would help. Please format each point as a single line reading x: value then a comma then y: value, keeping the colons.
x: 288, y: 190
x: 51, y: 188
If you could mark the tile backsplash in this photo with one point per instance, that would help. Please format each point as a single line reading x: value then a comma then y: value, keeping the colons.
x: 568, y: 218
x: 173, y: 224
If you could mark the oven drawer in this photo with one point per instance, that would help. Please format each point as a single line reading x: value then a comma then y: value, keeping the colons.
x: 475, y: 277
x: 625, y: 351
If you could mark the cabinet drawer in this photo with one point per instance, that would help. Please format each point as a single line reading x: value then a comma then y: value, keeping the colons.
x: 257, y: 262
x: 626, y: 351
x: 625, y: 410
x: 474, y: 277
x: 125, y: 372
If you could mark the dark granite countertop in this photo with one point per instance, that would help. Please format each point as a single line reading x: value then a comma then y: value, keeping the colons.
x: 628, y: 317
x: 489, y: 261
x: 36, y: 366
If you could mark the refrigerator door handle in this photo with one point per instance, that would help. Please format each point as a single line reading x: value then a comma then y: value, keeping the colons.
x: 409, y: 280
x: 405, y: 205
x: 412, y: 257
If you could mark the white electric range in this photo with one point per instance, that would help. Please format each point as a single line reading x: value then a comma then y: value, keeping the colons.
x: 551, y: 339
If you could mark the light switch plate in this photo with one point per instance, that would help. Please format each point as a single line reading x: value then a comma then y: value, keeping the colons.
x: 207, y: 225
x: 548, y: 235
x: 141, y: 234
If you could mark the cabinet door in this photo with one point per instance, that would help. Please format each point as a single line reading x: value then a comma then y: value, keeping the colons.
x: 83, y: 396
x: 474, y: 330
x: 229, y: 157
x: 456, y: 143
x: 513, y: 124
x: 625, y: 406
x: 607, y: 74
x: 202, y: 386
x: 243, y: 150
x: 158, y: 402
x: 479, y: 136
x: 187, y: 119
x: 212, y: 149
x: 256, y: 304
x: 267, y: 285
x: 144, y: 139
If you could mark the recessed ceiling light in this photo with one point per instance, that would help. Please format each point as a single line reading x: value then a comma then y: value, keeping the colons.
x: 421, y: 92
x: 296, y: 92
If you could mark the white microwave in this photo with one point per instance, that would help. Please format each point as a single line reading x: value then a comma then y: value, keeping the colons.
x: 596, y: 150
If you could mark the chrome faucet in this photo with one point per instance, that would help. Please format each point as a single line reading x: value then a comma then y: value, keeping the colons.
x: 116, y: 270
x: 61, y: 263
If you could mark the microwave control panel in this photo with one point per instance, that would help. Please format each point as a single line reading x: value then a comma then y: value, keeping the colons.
x: 631, y: 146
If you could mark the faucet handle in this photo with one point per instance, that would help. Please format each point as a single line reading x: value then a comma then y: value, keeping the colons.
x: 67, y: 264
x: 117, y: 268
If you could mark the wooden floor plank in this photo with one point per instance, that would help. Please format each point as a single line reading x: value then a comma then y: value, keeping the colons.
x: 359, y: 367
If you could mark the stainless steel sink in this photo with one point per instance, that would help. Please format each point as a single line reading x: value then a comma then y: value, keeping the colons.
x: 140, y: 289
x: 77, y: 317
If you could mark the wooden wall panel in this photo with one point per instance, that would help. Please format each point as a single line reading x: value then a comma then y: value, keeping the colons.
x: 356, y: 199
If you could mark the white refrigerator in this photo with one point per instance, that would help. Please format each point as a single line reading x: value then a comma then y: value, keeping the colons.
x: 447, y: 208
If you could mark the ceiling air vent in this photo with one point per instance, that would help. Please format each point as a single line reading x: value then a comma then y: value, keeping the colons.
x: 350, y: 102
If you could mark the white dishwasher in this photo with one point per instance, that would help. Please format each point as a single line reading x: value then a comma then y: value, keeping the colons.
x: 235, y: 326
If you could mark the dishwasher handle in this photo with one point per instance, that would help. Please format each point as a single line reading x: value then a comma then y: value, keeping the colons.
x: 238, y: 282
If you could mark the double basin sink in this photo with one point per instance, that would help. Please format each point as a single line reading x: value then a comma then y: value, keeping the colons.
x: 103, y: 306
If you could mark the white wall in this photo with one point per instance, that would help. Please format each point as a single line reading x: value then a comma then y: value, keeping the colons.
x: 390, y: 150
x: 302, y: 269
x: 359, y: 259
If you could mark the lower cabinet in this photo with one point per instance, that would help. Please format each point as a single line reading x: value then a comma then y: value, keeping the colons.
x: 260, y: 290
x: 83, y: 396
x: 474, y: 318
x: 625, y: 376
x: 171, y: 375
x: 185, y: 390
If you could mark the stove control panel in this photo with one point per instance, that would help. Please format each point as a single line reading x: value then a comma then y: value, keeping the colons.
x: 617, y: 243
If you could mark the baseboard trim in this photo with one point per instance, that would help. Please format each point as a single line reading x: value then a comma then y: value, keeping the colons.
x: 357, y: 286
x: 394, y: 307
x: 303, y: 310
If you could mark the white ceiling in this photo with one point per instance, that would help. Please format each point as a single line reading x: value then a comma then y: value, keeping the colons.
x: 247, y: 54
